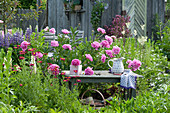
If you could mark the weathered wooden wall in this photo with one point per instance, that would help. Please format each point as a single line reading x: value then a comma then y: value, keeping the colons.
x: 60, y: 19
x: 154, y: 7
x: 136, y: 9
x: 141, y: 11
x: 25, y: 22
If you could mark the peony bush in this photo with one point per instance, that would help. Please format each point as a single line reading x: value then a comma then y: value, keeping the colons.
x: 37, y: 81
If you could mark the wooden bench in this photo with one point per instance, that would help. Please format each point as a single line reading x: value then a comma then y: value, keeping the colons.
x: 49, y: 37
x: 79, y: 35
x: 99, y: 77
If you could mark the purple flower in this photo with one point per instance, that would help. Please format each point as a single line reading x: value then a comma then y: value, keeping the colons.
x: 54, y: 43
x: 101, y: 30
x: 39, y: 54
x: 75, y: 62
x: 105, y: 43
x: 52, y: 30
x: 116, y: 49
x: 65, y: 31
x: 89, y: 71
x: 28, y: 34
x: 67, y: 46
x: 135, y: 64
x: 95, y: 45
x: 88, y: 56
x: 110, y: 53
x: 103, y: 58
x: 54, y: 68
x: 109, y: 39
x: 24, y: 45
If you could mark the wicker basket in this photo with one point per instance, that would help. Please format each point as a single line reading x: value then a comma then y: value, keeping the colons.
x: 97, y: 103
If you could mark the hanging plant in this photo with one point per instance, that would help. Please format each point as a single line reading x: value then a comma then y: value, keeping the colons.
x: 98, y: 8
x: 70, y: 4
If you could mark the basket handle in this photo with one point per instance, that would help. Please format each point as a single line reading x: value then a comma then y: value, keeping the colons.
x: 97, y: 92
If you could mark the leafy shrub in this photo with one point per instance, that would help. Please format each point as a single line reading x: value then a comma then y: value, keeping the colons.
x: 163, y: 43
x: 96, y: 13
x: 119, y: 27
x: 149, y: 102
x: 48, y: 93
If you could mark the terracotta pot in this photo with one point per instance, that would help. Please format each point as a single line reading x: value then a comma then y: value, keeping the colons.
x: 77, y: 7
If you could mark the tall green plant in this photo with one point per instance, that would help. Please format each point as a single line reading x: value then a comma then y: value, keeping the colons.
x: 6, y: 92
x: 8, y: 10
x: 96, y: 13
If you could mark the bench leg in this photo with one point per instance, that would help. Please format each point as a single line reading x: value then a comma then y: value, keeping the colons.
x: 133, y: 93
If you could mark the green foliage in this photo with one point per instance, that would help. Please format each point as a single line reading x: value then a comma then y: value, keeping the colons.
x: 164, y: 41
x: 26, y: 4
x: 32, y: 4
x: 146, y: 102
x: 8, y: 9
x: 73, y: 2
x: 96, y: 13
x: 27, y: 91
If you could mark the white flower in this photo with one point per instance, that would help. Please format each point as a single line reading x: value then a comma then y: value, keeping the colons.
x: 135, y: 32
x: 143, y: 26
x: 142, y: 40
x: 123, y: 32
x: 128, y: 24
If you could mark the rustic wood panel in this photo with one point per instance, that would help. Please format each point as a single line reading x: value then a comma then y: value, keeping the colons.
x: 60, y: 19
x: 136, y: 9
x: 24, y: 23
x: 154, y: 7
x: 140, y: 11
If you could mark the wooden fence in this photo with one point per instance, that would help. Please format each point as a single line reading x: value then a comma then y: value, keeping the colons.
x: 154, y: 7
x: 141, y: 11
x: 136, y: 9
x: 23, y: 22
x: 60, y: 18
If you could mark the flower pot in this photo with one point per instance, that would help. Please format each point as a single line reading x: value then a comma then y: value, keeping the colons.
x: 77, y: 7
x: 76, y: 70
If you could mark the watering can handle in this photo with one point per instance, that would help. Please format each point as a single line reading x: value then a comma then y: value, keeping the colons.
x: 109, y: 64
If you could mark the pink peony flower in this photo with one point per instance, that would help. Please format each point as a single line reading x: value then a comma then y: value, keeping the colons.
x: 89, y: 71
x: 110, y: 53
x: 52, y: 30
x: 67, y: 46
x: 24, y: 45
x: 65, y: 31
x: 128, y: 61
x: 1, y: 22
x: 88, y: 56
x: 2, y: 33
x: 95, y: 45
x: 105, y: 43
x: 54, y: 43
x: 109, y: 39
x: 39, y: 54
x: 103, y: 58
x: 10, y: 31
x: 116, y: 49
x: 114, y: 37
x: 135, y: 64
x: 75, y: 62
x: 54, y: 68
x: 101, y: 30
x: 46, y: 29
x: 62, y: 59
